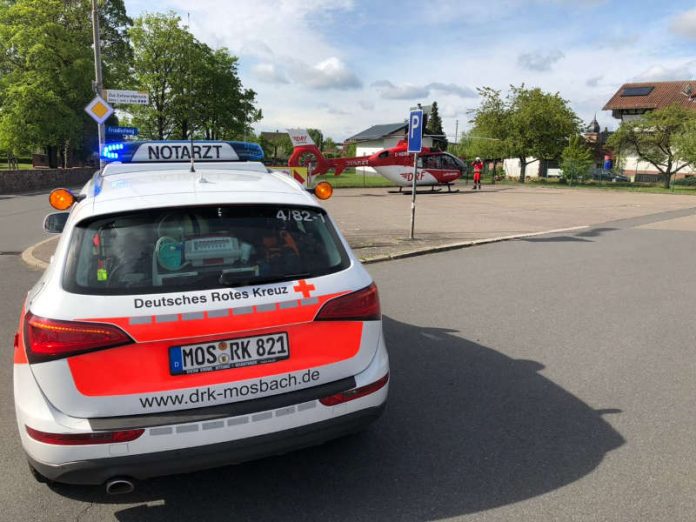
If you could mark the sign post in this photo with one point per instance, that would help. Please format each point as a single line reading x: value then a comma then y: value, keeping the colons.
x: 415, y: 145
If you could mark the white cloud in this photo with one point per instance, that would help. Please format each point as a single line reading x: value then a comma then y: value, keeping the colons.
x: 451, y: 88
x: 268, y: 73
x: 367, y: 105
x: 331, y: 73
x: 685, y: 24
x: 408, y: 91
x: 538, y: 60
x: 673, y: 72
x: 594, y: 81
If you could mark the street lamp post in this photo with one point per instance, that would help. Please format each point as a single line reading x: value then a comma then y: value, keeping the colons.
x: 98, y: 79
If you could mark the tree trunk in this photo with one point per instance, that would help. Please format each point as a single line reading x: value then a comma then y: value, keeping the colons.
x: 667, y: 176
x: 523, y: 169
x: 52, y: 153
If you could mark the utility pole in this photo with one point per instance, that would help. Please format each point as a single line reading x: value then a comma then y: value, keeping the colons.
x: 456, y: 132
x: 98, y: 80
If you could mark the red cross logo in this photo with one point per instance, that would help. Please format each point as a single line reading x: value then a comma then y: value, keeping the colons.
x: 303, y: 287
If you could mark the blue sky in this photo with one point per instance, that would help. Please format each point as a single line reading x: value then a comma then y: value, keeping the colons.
x: 344, y: 65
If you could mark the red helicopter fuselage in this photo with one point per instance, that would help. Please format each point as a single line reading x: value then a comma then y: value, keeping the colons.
x: 395, y: 163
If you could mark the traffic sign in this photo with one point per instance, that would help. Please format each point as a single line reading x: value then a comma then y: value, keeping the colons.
x: 415, y: 131
x: 99, y: 110
x: 127, y: 97
x: 122, y: 131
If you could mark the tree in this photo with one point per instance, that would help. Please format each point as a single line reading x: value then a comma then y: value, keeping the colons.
x: 576, y: 160
x: 160, y: 48
x: 350, y: 149
x: 653, y: 138
x: 227, y: 108
x: 475, y: 144
x: 317, y: 137
x: 46, y: 68
x: 686, y: 143
x: 194, y: 90
x: 530, y: 123
x: 434, y: 126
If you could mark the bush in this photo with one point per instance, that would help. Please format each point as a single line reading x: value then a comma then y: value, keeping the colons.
x: 686, y: 182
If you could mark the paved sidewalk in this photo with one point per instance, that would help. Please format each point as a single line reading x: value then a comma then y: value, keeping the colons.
x: 376, y: 222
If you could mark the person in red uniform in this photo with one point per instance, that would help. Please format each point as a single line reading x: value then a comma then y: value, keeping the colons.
x: 478, y: 169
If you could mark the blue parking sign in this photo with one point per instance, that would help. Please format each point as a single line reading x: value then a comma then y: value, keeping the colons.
x: 415, y: 131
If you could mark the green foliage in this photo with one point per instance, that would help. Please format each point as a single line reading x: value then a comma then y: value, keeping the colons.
x: 576, y: 160
x: 317, y: 137
x: 475, y: 144
x: 686, y: 182
x: 278, y: 147
x: 434, y: 126
x: 46, y: 67
x: 349, y: 150
x: 685, y: 142
x: 661, y: 138
x: 193, y: 88
x: 528, y: 122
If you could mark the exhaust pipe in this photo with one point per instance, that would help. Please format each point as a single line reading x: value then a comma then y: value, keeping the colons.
x: 119, y: 486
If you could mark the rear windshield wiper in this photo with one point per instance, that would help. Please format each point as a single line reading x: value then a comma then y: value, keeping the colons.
x: 233, y: 279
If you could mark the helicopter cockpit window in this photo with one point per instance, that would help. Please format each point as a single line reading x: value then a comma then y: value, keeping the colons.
x: 432, y: 162
x: 449, y: 162
x: 196, y: 248
x: 384, y: 154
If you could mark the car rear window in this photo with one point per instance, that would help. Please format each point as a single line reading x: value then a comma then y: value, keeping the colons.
x: 193, y: 248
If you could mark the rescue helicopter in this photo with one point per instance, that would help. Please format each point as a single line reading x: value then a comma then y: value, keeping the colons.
x: 434, y: 168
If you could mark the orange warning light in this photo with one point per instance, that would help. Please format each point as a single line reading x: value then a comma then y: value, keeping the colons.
x: 323, y: 190
x: 61, y: 199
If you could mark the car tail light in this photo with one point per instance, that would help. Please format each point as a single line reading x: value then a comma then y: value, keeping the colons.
x: 355, y: 393
x: 362, y: 305
x: 48, y: 339
x: 80, y: 439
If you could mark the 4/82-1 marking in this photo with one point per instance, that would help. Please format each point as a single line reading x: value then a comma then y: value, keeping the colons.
x: 229, y: 353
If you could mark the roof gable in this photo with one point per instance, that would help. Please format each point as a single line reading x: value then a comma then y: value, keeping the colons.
x: 377, y: 132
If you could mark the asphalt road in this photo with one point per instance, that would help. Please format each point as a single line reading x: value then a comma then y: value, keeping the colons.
x: 542, y: 379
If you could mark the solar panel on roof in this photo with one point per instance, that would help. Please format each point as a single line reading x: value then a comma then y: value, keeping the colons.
x: 637, y: 91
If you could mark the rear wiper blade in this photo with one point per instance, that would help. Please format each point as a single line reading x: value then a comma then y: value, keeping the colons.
x: 232, y: 279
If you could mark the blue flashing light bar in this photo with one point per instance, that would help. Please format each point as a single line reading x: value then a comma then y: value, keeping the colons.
x: 181, y: 151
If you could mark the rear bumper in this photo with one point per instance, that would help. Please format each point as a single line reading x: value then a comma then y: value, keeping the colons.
x: 196, y: 458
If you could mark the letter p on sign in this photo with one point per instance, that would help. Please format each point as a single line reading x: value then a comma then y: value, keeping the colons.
x: 415, y: 131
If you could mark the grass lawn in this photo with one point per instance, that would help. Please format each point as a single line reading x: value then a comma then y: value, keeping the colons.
x: 353, y: 180
x: 20, y: 166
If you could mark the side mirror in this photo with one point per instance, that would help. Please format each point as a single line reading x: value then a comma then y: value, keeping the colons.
x: 55, y: 222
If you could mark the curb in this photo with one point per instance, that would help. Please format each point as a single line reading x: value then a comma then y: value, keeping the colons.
x: 29, y: 258
x: 462, y: 244
x: 34, y: 262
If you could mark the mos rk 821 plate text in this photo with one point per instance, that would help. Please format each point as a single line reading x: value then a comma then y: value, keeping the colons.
x: 228, y: 353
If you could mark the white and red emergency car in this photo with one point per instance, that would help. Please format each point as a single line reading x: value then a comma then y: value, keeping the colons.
x: 192, y: 319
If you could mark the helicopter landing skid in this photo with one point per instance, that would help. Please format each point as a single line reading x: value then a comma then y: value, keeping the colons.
x: 433, y: 189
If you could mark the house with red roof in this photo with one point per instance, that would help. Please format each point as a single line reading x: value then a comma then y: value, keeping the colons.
x: 632, y: 100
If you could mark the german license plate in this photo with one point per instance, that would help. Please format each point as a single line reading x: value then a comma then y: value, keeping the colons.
x: 230, y: 353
